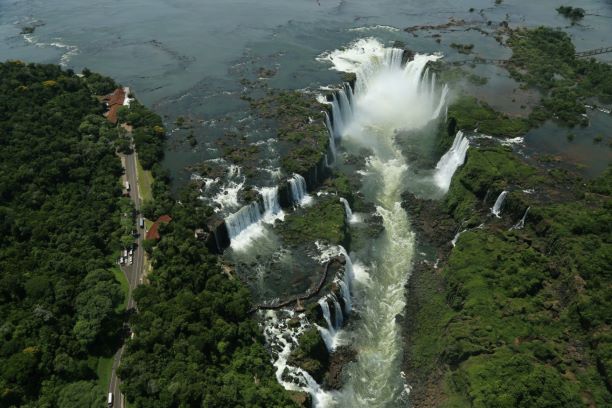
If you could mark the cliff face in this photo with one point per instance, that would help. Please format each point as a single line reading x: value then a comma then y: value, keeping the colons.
x: 513, y: 303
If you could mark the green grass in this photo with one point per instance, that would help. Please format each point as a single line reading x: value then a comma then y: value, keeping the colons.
x: 148, y: 224
x: 120, y: 276
x: 103, y: 370
x: 145, y: 181
x: 324, y: 220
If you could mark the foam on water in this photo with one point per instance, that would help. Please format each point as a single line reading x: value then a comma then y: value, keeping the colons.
x: 388, y: 97
x: 450, y: 161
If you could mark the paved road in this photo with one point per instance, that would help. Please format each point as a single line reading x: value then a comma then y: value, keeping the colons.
x: 134, y: 274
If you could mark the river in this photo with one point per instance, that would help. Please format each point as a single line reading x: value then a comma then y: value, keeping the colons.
x: 186, y: 58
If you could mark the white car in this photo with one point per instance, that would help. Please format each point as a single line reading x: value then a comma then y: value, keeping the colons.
x: 130, y: 260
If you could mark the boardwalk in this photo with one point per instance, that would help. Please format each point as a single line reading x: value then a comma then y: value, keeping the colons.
x: 581, y: 54
x: 596, y: 51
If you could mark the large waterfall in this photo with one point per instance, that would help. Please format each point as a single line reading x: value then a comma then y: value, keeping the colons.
x: 388, y: 97
x: 450, y: 161
x: 244, y: 225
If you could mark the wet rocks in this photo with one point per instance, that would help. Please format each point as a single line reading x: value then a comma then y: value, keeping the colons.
x: 338, y: 360
x: 311, y: 354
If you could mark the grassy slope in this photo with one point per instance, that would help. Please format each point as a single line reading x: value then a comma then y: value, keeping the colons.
x: 145, y: 181
x: 521, y: 312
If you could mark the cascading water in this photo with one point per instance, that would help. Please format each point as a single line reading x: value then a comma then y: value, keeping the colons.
x: 346, y: 296
x: 270, y: 200
x: 388, y: 98
x: 456, y: 237
x: 350, y: 217
x: 332, y: 141
x: 299, y: 192
x: 450, y: 161
x: 497, y: 207
x: 242, y: 219
x: 244, y: 225
x: 521, y: 223
x: 339, y: 317
x: 328, y: 334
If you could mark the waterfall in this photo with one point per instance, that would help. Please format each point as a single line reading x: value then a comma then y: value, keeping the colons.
x: 496, y: 209
x: 242, y: 219
x: 338, y: 125
x: 346, y: 296
x: 299, y: 192
x: 244, y: 225
x: 281, y: 339
x: 347, y: 281
x: 457, y: 235
x: 339, y: 318
x: 389, y: 98
x: 328, y: 334
x: 332, y: 141
x: 521, y: 223
x: 270, y: 201
x: 326, y: 314
x: 350, y: 217
x: 450, y: 161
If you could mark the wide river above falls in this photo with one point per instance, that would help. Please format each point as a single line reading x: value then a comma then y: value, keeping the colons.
x: 188, y: 59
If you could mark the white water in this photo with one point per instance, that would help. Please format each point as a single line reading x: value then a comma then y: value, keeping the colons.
x: 497, y: 207
x: 388, y: 98
x: 346, y: 284
x: 282, y: 339
x: 450, y: 161
x: 227, y: 196
x: 329, y: 334
x: 521, y: 223
x: 339, y: 318
x: 457, y: 235
x: 350, y: 216
x: 299, y: 193
x: 332, y: 141
x: 246, y: 225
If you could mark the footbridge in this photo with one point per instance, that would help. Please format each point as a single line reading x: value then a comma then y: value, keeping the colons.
x: 580, y: 54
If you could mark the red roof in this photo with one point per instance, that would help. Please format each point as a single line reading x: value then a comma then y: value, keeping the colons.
x: 153, y: 232
x: 115, y: 101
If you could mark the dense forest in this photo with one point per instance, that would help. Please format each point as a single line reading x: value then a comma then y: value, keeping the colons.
x: 59, y: 190
x: 195, y: 344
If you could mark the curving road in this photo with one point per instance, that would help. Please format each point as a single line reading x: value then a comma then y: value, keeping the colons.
x: 134, y: 273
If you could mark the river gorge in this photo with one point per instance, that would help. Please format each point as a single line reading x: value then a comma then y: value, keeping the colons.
x: 354, y: 165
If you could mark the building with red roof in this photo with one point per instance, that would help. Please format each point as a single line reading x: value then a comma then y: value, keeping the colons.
x: 114, y: 101
x: 153, y: 232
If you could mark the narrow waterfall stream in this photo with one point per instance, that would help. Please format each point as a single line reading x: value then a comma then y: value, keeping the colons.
x: 389, y: 98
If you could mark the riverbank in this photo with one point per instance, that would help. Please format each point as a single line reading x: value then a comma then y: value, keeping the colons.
x: 511, y: 291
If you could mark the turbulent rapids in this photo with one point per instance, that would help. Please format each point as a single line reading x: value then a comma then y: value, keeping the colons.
x: 389, y: 99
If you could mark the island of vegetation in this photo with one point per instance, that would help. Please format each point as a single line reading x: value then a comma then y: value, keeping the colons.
x: 514, y: 313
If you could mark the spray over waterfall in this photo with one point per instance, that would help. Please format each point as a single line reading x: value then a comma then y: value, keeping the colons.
x: 388, y: 97
x: 299, y: 193
x: 451, y: 161
x: 244, y: 226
